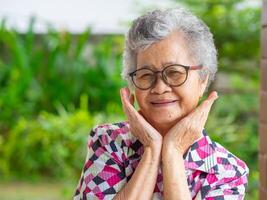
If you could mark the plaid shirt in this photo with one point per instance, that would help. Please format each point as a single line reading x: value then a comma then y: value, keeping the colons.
x: 213, y: 173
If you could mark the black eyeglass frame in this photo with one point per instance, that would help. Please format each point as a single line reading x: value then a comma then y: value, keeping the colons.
x: 187, y: 68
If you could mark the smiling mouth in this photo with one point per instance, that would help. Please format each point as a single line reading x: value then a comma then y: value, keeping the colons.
x: 163, y: 102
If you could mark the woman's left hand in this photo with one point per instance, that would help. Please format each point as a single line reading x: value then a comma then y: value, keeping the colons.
x: 189, y: 129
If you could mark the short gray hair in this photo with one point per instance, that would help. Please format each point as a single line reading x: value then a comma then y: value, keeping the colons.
x: 157, y: 25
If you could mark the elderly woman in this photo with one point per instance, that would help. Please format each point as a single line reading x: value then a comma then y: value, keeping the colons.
x: 163, y: 151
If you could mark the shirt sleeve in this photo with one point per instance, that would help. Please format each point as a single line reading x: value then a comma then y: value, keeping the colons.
x: 229, y: 187
x: 103, y: 174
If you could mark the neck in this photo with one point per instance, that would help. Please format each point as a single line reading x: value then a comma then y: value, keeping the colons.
x: 163, y: 129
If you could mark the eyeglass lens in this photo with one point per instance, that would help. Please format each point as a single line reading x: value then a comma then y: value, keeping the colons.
x: 173, y: 75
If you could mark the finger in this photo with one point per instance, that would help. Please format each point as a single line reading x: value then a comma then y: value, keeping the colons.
x: 124, y: 92
x: 129, y: 110
x: 127, y: 103
x: 213, y: 96
x: 206, y: 105
x: 200, y: 114
x: 138, y: 125
x: 132, y: 99
x: 204, y: 109
x: 124, y: 100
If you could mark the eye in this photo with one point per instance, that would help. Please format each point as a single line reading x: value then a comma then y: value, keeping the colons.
x: 147, y: 75
x: 175, y: 71
x: 144, y: 74
x: 174, y: 74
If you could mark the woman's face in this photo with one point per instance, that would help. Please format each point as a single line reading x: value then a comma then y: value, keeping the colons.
x: 163, y: 106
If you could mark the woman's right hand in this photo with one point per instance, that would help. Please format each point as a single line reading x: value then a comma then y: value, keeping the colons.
x: 139, y: 127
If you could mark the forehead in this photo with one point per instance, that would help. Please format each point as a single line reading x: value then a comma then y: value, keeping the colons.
x: 173, y: 49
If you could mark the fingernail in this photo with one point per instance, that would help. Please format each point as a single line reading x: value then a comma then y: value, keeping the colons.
x: 123, y: 92
x: 215, y: 95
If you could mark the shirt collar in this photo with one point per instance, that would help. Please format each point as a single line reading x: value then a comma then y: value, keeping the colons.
x: 202, y: 156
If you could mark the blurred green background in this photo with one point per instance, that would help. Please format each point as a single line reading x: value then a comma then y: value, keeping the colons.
x: 55, y: 87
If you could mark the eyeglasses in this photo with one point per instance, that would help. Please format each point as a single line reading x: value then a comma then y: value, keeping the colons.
x: 173, y: 75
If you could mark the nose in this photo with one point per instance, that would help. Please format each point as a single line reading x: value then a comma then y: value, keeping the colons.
x: 160, y: 87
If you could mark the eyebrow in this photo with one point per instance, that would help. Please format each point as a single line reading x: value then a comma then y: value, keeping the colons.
x: 162, y: 64
x: 169, y: 63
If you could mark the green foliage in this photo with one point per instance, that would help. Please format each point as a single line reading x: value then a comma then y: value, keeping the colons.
x: 55, y: 87
x: 51, y: 145
x: 40, y: 72
x: 236, y: 29
x: 233, y: 122
x: 44, y: 146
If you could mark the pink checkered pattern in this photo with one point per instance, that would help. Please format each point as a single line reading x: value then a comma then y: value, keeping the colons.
x: 213, y: 173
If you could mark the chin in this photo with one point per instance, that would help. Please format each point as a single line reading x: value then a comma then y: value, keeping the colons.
x: 164, y: 122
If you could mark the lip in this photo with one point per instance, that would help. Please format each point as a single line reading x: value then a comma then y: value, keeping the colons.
x: 163, y: 102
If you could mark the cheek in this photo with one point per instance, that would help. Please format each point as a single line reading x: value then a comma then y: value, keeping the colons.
x: 189, y: 104
x: 140, y: 98
x: 189, y: 99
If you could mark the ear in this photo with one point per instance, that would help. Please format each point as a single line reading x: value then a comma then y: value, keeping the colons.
x: 203, y: 85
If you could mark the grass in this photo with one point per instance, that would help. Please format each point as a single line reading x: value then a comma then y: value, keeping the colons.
x: 42, y: 190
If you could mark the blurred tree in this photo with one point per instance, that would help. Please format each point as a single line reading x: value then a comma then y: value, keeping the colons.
x: 236, y: 28
x: 39, y: 72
